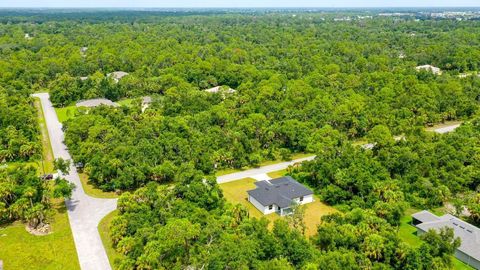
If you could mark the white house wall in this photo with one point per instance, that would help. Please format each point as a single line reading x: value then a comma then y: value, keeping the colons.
x: 266, y: 211
x: 467, y: 259
x: 306, y: 199
x: 459, y: 254
x: 260, y: 207
x: 274, y: 208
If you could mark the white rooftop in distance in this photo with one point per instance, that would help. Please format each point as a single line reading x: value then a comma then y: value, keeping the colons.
x: 90, y: 103
x: 147, y: 100
x: 117, y: 75
x: 217, y: 89
x: 434, y: 70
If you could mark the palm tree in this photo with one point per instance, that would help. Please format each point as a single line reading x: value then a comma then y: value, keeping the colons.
x: 6, y: 192
x: 25, y: 150
x: 239, y: 213
x: 3, y: 155
x: 18, y: 208
x: 36, y: 215
x: 374, y: 246
x: 9, y: 154
x: 30, y: 192
x: 402, y: 251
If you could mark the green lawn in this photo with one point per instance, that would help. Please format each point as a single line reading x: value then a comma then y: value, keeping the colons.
x: 459, y: 265
x: 104, y: 230
x: 66, y: 113
x: 46, y: 165
x: 126, y: 102
x: 15, y: 164
x: 265, y: 163
x: 408, y: 233
x: 93, y: 191
x: 236, y: 192
x: 277, y: 174
x: 56, y: 251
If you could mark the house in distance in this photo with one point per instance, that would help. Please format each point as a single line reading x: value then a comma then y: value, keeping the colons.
x: 469, y: 250
x: 91, y: 103
x: 117, y: 75
x: 279, y: 195
x: 218, y: 89
x: 434, y: 70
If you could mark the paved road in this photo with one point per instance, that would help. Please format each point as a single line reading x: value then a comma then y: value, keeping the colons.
x: 260, y: 173
x: 447, y: 129
x: 261, y: 170
x: 84, y: 212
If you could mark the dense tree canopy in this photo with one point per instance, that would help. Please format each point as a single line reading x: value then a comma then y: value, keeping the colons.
x: 160, y: 228
x: 423, y: 169
x: 27, y: 197
x: 303, y: 83
x: 18, y: 126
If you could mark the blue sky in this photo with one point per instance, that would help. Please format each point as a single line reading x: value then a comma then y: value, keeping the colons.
x: 238, y: 3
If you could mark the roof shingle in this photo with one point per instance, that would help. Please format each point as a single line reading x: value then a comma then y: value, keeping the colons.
x: 280, y: 191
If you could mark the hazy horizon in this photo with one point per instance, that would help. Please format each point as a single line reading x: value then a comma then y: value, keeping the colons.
x: 236, y: 4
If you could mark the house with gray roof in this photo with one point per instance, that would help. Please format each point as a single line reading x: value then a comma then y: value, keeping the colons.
x: 117, y: 75
x: 146, y: 101
x: 434, y: 70
x: 279, y: 195
x: 90, y: 103
x: 217, y: 89
x: 469, y: 250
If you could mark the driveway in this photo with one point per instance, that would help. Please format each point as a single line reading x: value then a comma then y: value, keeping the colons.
x: 84, y: 212
x: 447, y: 129
x: 260, y: 173
x: 253, y: 173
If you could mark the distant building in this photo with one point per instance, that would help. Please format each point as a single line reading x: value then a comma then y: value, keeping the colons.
x: 465, y: 75
x: 278, y: 195
x: 83, y: 78
x: 146, y: 101
x: 91, y: 103
x: 364, y: 17
x: 342, y: 19
x: 368, y: 146
x: 27, y: 36
x: 83, y: 51
x: 434, y: 70
x: 217, y: 89
x: 117, y: 75
x: 469, y: 250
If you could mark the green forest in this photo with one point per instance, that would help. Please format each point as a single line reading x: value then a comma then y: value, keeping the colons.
x: 302, y: 83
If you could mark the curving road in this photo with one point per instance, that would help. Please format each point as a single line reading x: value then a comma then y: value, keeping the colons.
x: 447, y: 129
x: 84, y: 212
x: 260, y: 173
x: 256, y: 172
